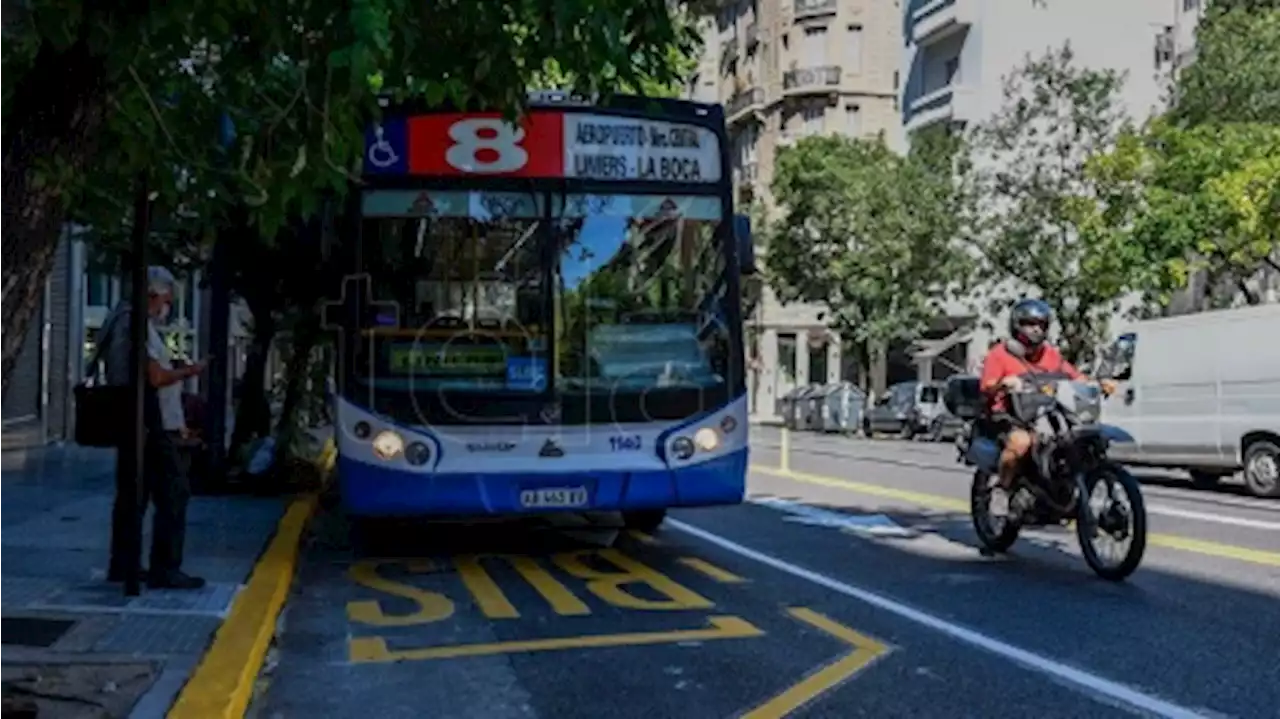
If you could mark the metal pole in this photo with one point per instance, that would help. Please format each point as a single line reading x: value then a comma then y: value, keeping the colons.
x: 219, y: 346
x: 129, y: 475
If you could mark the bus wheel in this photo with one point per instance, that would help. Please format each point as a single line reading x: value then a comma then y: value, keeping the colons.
x: 644, y: 520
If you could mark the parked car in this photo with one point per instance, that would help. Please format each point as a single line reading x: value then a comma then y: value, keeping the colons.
x: 905, y: 409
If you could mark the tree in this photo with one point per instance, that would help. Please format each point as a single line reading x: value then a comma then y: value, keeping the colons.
x: 1236, y: 74
x: 1044, y: 223
x: 867, y: 233
x: 1201, y: 198
x: 299, y: 82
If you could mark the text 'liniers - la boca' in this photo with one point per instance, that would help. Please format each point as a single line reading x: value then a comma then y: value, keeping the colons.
x: 633, y: 165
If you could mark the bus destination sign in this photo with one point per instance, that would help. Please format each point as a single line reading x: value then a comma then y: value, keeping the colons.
x: 546, y: 144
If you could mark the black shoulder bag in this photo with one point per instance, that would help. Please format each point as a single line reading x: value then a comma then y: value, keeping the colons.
x: 101, y: 408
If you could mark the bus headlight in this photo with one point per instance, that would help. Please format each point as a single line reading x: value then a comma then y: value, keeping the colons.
x: 417, y: 454
x: 388, y: 445
x: 706, y: 439
x: 682, y: 448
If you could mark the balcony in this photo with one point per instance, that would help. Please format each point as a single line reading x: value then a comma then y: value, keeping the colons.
x: 814, y: 8
x: 935, y: 20
x: 811, y: 79
x: 953, y: 103
x: 743, y: 103
x: 753, y: 35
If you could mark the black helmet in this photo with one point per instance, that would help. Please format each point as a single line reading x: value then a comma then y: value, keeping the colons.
x: 1029, y: 322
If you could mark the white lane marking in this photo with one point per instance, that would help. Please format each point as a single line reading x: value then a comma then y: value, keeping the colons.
x: 876, y: 525
x: 1089, y: 682
x: 1217, y: 518
x: 1210, y: 497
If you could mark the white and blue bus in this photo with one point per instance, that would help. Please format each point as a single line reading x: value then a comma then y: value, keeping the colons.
x: 545, y: 316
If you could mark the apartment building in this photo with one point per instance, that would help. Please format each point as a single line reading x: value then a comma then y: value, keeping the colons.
x: 956, y: 55
x: 785, y: 69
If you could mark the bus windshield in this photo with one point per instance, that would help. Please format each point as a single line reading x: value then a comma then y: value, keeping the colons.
x: 460, y: 290
x: 524, y: 294
x: 640, y: 284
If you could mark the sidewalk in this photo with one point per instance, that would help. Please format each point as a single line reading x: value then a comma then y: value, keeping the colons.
x: 95, y: 652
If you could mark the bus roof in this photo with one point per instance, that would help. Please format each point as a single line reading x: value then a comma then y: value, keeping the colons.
x: 653, y: 107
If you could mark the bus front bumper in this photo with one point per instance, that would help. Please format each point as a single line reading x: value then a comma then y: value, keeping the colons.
x: 369, y: 490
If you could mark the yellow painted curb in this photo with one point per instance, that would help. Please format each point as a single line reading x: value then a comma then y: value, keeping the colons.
x: 222, y: 685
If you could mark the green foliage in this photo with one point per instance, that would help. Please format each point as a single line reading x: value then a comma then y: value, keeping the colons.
x: 1045, y: 221
x: 301, y: 81
x: 1236, y: 74
x: 1205, y: 198
x: 867, y: 233
x: 681, y: 59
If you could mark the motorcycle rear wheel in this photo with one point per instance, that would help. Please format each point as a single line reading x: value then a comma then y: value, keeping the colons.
x: 1089, y: 522
x: 996, y: 535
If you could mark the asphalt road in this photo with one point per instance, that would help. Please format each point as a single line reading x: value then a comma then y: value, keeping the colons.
x: 849, y: 585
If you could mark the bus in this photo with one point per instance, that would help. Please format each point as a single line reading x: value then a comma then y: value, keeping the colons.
x: 545, y: 314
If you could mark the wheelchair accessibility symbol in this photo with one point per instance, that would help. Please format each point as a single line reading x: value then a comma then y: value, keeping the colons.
x: 381, y: 154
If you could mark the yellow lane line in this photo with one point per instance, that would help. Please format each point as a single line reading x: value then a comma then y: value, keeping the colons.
x: 931, y: 501
x: 223, y: 682
x: 365, y: 650
x: 719, y: 574
x: 641, y: 537
x: 940, y: 502
x: 866, y: 650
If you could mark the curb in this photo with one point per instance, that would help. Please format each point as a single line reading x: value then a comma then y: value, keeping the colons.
x: 223, y: 683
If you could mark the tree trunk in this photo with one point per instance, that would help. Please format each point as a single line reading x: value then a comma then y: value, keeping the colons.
x: 305, y: 336
x: 58, y: 110
x: 253, y: 411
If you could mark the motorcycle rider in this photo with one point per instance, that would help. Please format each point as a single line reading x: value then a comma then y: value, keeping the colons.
x: 1025, y: 351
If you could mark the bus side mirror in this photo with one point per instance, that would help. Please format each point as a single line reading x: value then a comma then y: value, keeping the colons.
x: 746, y: 246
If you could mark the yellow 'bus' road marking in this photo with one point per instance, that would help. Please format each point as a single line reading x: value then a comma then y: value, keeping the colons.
x: 936, y: 501
x: 364, y: 650
x: 865, y: 651
x: 720, y: 575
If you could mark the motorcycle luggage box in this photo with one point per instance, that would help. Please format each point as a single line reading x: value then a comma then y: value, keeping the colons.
x: 963, y: 397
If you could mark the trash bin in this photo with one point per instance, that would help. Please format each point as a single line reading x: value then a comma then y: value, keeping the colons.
x: 787, y: 407
x: 810, y: 403
x: 843, y: 408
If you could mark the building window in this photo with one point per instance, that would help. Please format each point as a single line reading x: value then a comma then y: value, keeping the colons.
x: 815, y: 46
x: 811, y: 119
x: 855, y: 48
x: 818, y: 363
x: 1190, y: 5
x: 853, y: 120
x: 787, y: 355
x: 951, y: 69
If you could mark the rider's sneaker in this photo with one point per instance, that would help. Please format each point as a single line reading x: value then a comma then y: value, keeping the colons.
x: 999, y: 503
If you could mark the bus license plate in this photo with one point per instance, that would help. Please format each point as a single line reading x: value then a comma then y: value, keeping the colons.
x: 554, y: 497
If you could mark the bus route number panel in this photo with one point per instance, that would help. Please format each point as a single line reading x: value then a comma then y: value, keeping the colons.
x: 545, y: 144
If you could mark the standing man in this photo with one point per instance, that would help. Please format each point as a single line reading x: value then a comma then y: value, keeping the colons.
x: 165, y: 485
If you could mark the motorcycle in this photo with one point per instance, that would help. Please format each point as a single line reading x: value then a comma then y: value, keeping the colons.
x: 1067, y: 477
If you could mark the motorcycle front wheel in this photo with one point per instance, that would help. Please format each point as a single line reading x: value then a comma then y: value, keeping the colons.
x: 997, y: 535
x: 1112, y: 513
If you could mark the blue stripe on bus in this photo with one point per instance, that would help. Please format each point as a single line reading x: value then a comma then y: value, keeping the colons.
x: 370, y: 490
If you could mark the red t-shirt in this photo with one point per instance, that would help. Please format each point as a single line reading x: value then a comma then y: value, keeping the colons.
x: 1001, y: 363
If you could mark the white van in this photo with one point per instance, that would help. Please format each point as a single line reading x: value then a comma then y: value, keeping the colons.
x: 1201, y: 392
